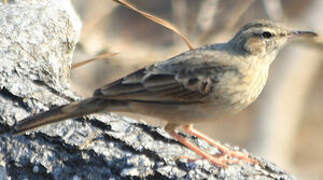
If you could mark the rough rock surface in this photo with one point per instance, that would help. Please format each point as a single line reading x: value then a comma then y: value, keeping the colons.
x: 37, y: 39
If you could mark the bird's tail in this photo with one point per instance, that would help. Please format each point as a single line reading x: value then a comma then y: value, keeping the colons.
x: 75, y: 109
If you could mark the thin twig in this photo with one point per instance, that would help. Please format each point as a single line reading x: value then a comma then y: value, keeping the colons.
x: 156, y: 20
x: 103, y: 56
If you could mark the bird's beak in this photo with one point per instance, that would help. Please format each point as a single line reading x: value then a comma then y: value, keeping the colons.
x: 301, y: 34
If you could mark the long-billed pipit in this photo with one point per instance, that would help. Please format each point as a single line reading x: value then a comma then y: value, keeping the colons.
x: 197, y: 85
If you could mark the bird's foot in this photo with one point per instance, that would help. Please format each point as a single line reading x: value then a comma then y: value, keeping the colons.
x: 235, y: 157
x: 218, y: 161
x: 224, y: 159
x: 227, y: 156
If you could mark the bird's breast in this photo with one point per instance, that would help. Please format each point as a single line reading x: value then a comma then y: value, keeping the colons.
x: 255, y: 84
x: 236, y: 92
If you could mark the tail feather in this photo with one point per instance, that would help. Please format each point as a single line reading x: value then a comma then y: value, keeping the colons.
x: 75, y: 109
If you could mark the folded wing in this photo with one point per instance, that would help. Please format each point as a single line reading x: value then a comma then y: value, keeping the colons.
x: 173, y: 83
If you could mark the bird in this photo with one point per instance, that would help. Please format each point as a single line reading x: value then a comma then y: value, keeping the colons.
x: 197, y: 85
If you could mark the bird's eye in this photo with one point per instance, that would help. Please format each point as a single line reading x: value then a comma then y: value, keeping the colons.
x: 266, y: 35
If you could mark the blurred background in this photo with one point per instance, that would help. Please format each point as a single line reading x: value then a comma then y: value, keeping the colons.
x: 285, y: 125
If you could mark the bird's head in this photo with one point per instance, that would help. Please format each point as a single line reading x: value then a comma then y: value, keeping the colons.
x: 265, y: 38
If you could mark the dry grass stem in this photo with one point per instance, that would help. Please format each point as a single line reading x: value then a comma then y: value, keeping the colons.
x: 103, y: 56
x: 156, y: 20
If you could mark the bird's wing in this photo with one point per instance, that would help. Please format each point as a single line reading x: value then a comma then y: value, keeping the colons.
x: 182, y: 79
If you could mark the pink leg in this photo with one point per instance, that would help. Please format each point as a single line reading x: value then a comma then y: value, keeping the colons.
x: 217, y: 161
x: 225, y: 151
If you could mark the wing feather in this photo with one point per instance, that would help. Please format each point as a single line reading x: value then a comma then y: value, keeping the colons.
x: 170, y: 81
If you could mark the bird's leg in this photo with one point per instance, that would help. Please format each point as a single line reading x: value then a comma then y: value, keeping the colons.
x: 225, y: 151
x: 170, y: 128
